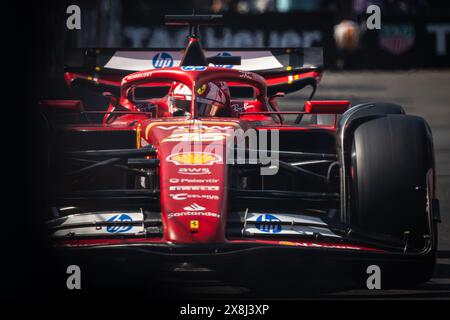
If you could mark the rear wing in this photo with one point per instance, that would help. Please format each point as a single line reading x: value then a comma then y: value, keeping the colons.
x: 123, y: 62
x: 285, y: 69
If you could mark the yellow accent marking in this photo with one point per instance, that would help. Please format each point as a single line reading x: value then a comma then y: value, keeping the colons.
x: 138, y: 136
x: 202, y: 89
x: 287, y: 243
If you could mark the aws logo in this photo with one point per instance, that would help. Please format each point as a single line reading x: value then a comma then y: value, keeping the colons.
x: 194, y: 171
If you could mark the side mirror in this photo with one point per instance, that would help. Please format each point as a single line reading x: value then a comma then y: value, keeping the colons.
x: 277, y: 95
x: 273, y: 103
x: 108, y: 95
x: 327, y: 106
x: 272, y: 99
x: 112, y: 98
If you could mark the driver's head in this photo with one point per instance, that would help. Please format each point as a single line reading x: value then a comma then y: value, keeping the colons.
x: 213, y: 99
x: 180, y: 100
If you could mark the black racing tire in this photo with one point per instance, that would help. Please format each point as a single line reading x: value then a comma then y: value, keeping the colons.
x: 390, y: 158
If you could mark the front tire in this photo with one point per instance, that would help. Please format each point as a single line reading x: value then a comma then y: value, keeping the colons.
x: 391, y: 156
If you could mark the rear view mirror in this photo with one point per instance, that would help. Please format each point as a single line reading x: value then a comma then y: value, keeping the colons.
x: 277, y: 95
x: 112, y: 98
x: 327, y: 106
x: 108, y: 95
x: 272, y: 99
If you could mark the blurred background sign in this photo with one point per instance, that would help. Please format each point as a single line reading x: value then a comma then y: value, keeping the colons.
x: 413, y: 34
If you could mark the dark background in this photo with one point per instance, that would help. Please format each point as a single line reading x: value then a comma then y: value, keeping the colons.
x: 34, y: 38
x: 247, y: 23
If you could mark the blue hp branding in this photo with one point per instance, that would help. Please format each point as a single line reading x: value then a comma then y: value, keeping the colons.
x: 267, y: 223
x: 224, y: 54
x: 162, y: 60
x: 193, y: 68
x: 119, y: 227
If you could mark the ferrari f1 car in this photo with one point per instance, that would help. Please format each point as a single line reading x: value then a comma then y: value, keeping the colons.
x: 154, y: 162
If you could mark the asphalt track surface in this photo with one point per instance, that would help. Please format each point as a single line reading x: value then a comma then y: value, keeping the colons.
x: 425, y: 93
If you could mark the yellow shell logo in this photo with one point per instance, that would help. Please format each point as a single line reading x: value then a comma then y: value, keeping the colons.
x: 192, y: 158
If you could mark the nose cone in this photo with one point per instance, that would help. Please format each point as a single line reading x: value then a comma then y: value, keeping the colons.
x: 193, y: 179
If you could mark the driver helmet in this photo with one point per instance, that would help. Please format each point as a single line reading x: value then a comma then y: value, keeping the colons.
x: 213, y: 99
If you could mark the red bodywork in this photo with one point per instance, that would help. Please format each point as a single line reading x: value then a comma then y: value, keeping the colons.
x: 194, y: 188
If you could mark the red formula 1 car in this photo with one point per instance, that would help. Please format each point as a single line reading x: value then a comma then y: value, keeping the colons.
x: 169, y: 163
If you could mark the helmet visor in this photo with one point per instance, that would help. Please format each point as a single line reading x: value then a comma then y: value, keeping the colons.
x: 209, y: 108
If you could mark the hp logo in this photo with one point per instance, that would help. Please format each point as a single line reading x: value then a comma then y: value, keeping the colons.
x: 268, y: 223
x: 162, y: 60
x: 122, y: 227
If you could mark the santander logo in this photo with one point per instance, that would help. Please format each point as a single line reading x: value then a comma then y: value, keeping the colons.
x: 194, y: 207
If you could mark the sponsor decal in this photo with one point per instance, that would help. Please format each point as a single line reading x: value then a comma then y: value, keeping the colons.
x: 200, y: 127
x: 263, y: 225
x: 185, y: 196
x: 286, y: 224
x: 202, y: 89
x: 246, y: 75
x: 319, y: 245
x: 287, y: 218
x: 196, y: 136
x: 194, y: 158
x: 224, y: 54
x: 162, y: 60
x: 194, y: 225
x: 194, y: 207
x: 248, y: 105
x: 139, y: 75
x: 397, y: 39
x: 238, y: 107
x: 122, y: 227
x: 193, y: 68
x: 194, y: 171
x: 195, y: 188
x: 193, y: 180
x: 119, y: 223
x: 193, y: 214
